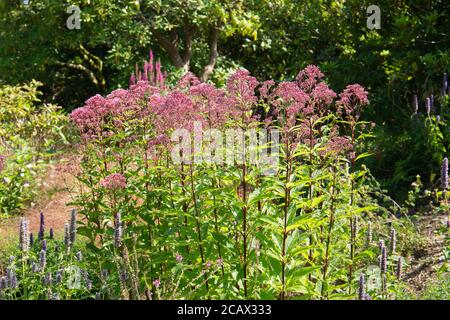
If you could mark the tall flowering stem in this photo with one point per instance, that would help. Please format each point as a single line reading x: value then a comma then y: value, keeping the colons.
x: 197, y: 220
x: 241, y: 89
x: 444, y: 174
x: 41, y: 232
x: 351, y: 102
x: 287, y: 200
x: 24, y: 244
x: 147, y: 114
x: 362, y: 287
x: 383, y: 268
x: 444, y: 182
x: 399, y: 268
x: 73, y: 227
x: 331, y: 220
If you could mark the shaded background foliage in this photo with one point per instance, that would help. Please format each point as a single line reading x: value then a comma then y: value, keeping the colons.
x: 270, y: 38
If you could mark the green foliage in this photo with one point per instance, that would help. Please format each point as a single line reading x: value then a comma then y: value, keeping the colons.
x: 62, y: 276
x: 30, y: 135
x: 295, y: 229
x: 438, y: 289
x: 240, y: 232
x: 407, y: 56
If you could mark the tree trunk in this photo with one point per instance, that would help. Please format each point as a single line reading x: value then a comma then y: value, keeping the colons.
x: 209, y: 67
x: 171, y: 49
x: 183, y: 61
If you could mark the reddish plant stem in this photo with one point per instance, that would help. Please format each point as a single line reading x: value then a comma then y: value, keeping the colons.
x: 183, y: 184
x: 328, y: 241
x: 311, y: 240
x: 244, y: 224
x: 286, y: 211
x: 352, y: 248
x: 217, y: 227
x: 197, y: 216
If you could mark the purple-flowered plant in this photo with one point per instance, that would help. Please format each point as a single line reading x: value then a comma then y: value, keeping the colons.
x: 41, y: 233
x: 444, y: 174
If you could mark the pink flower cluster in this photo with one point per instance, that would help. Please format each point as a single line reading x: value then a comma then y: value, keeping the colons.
x: 157, y: 283
x: 309, y: 77
x: 305, y: 98
x: 114, y: 181
x: 291, y: 104
x: 179, y: 257
x: 352, y: 99
x: 151, y: 73
x: 100, y: 115
x: 241, y: 89
x: 162, y: 139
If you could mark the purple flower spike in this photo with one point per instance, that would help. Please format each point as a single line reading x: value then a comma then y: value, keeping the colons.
x: 67, y: 234
x: 73, y: 226
x: 48, y: 281
x: 42, y: 259
x: 132, y: 79
x: 444, y: 174
x: 362, y: 287
x: 12, y: 279
x: 383, y: 262
x: 41, y: 232
x: 59, y: 275
x: 31, y: 239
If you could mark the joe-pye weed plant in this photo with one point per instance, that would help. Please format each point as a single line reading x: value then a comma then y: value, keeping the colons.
x: 167, y: 225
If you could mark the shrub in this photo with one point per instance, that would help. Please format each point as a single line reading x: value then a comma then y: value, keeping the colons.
x: 43, y: 267
x: 168, y: 226
x: 29, y: 136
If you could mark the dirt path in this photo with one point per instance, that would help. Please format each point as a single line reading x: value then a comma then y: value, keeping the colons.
x: 425, y: 262
x: 52, y: 201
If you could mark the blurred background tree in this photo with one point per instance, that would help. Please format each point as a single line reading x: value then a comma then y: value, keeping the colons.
x: 270, y: 38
